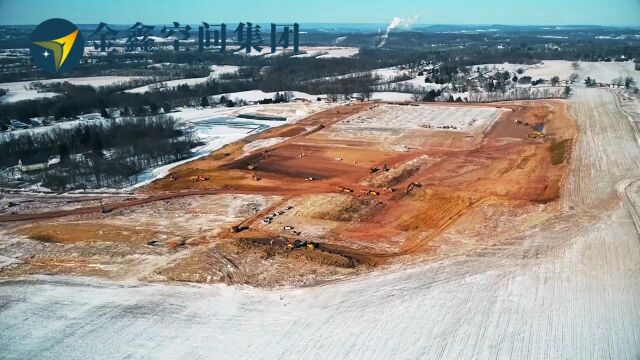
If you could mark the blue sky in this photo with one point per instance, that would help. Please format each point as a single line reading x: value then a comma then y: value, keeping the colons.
x: 527, y: 12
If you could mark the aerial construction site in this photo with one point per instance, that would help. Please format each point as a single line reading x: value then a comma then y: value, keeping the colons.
x: 338, y: 193
x: 320, y: 180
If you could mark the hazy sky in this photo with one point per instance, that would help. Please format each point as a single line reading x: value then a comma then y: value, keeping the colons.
x: 529, y: 12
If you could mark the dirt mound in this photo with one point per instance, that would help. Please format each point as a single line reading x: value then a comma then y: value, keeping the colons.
x: 81, y: 232
x: 429, y: 209
x: 337, y: 207
x: 397, y: 174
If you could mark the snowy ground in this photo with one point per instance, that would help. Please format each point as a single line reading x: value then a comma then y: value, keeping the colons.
x: 262, y: 143
x: 385, y: 75
x: 323, y: 52
x: 216, y: 71
x: 416, y: 117
x: 257, y: 95
x: 320, y: 52
x: 391, y: 96
x: 419, y: 83
x: 601, y: 71
x: 17, y: 90
x: 568, y: 290
x: 61, y: 126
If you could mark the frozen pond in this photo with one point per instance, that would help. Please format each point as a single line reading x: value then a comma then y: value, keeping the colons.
x: 222, y: 125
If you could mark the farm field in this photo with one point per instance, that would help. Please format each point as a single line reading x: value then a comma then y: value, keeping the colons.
x: 572, y: 269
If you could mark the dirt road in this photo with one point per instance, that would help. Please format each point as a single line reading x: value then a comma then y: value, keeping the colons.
x: 568, y: 290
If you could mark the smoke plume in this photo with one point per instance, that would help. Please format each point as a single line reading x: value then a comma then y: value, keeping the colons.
x: 396, y: 22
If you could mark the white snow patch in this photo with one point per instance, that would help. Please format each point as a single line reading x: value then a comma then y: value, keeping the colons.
x: 18, y: 92
x: 262, y: 143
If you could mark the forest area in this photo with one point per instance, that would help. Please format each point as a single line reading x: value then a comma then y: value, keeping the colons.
x: 94, y: 155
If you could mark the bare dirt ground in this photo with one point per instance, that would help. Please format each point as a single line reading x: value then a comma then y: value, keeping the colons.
x: 559, y: 283
x: 369, y: 184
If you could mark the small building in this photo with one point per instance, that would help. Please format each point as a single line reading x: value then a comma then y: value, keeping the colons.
x: 18, y: 125
x: 33, y: 162
x: 36, y: 121
x: 301, y: 100
x: 92, y: 116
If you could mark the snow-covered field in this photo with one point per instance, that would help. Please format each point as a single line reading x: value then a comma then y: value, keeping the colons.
x: 323, y: 52
x: 257, y: 95
x: 391, y: 96
x: 418, y: 83
x: 385, y: 74
x: 216, y: 71
x: 567, y: 290
x: 607, y: 71
x: 416, y: 117
x: 18, y: 90
x: 310, y: 51
x: 601, y: 71
x: 56, y: 126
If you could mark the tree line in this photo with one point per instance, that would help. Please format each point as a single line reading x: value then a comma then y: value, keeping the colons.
x: 96, y: 155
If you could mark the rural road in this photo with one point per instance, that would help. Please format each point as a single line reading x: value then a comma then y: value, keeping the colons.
x: 569, y: 290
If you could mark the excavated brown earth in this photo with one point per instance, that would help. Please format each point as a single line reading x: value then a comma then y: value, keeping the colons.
x: 457, y: 173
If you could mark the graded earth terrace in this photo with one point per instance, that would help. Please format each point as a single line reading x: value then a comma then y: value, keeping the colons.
x: 336, y: 194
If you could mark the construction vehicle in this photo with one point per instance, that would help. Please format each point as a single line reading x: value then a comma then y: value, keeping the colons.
x: 238, y: 228
x: 198, y: 178
x: 103, y: 209
x: 299, y: 244
x: 373, y: 170
x: 345, y: 189
x: 371, y: 192
x: 412, y: 186
x: 536, y: 135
